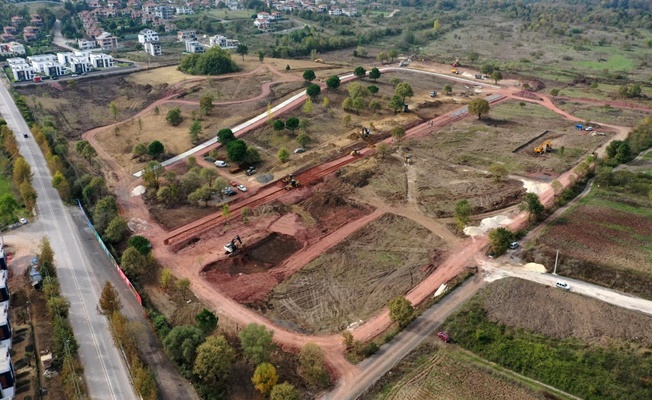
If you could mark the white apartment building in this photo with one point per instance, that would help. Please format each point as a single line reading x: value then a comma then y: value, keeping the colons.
x: 20, y: 69
x: 147, y: 35
x: 186, y: 35
x: 5, y: 328
x: 153, y: 48
x: 101, y: 60
x: 79, y: 64
x: 46, y: 64
x: 86, y: 44
x: 11, y: 49
x: 7, y: 375
x: 193, y: 46
x: 223, y: 42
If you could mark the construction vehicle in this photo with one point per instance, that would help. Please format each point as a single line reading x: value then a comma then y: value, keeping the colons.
x: 355, y: 152
x: 288, y: 178
x: 251, y: 170
x: 408, y: 159
x: 457, y: 63
x: 545, y: 147
x: 232, y: 247
x: 293, y: 184
x: 319, y: 60
x: 455, y: 71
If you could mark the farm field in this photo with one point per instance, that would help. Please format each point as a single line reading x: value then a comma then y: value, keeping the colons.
x: 605, y: 238
x: 357, y: 277
x: 448, y: 373
x: 519, y: 325
x: 607, y: 115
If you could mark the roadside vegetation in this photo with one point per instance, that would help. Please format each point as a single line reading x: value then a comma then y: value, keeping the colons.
x: 15, y: 180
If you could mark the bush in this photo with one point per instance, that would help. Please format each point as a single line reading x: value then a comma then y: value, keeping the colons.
x: 214, y: 62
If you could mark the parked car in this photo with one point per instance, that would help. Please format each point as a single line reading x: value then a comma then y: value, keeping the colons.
x: 588, y: 128
x: 444, y: 336
x: 251, y: 171
x: 563, y: 285
x: 220, y: 163
x: 513, y: 245
x: 55, y: 78
x: 299, y: 150
x: 23, y: 221
x: 228, y: 191
x: 242, y: 188
x: 25, y: 135
x: 74, y: 75
x: 233, y: 183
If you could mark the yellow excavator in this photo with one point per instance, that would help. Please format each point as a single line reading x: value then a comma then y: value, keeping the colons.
x: 544, y: 147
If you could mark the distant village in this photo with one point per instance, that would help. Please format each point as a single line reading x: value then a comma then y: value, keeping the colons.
x: 159, y: 15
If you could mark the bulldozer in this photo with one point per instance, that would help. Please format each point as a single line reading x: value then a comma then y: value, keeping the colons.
x: 543, y: 148
x: 292, y: 184
x: 288, y: 178
x: 234, y: 246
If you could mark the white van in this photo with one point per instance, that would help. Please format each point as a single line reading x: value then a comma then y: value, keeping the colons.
x: 220, y: 163
x: 563, y: 285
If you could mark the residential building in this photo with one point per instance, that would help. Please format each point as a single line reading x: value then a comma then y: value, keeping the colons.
x: 46, y: 64
x: 7, y: 37
x: 11, y: 48
x: 186, y: 35
x: 5, y: 328
x: 149, y: 8
x: 20, y: 69
x: 164, y: 12
x: 193, y: 46
x: 350, y: 12
x: 323, y: 8
x: 36, y: 20
x: 3, y: 259
x: 94, y: 3
x: 79, y: 63
x: 153, y: 48
x: 101, y: 60
x: 7, y: 375
x: 276, y: 15
x: 17, y: 20
x: 262, y: 24
x: 86, y: 44
x: 147, y: 35
x: 231, y: 4
x: 184, y: 10
x: 107, y: 41
x: 335, y: 11
x: 263, y: 15
x: 5, y: 296
x: 9, y: 30
x: 223, y: 42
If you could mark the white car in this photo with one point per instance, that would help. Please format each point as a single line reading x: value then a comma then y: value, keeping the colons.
x: 588, y: 128
x: 242, y: 188
x: 220, y: 163
x: 23, y: 221
x: 513, y: 245
x: 563, y: 285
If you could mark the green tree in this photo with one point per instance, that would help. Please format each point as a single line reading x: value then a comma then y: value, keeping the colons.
x: 278, y: 125
x: 215, y: 61
x: 373, y: 89
x: 283, y: 155
x: 264, y: 378
x: 392, y: 54
x: 554, y: 92
x: 325, y: 102
x: 253, y: 156
x: 499, y: 240
x: 375, y: 106
x: 358, y: 104
x: 313, y: 91
x: 360, y: 72
x: 261, y: 55
x: 356, y: 89
x: 398, y: 132
x: 22, y: 171
x: 312, y: 367
x: 8, y: 206
x: 166, y: 278
x: 207, y: 321
x: 333, y: 82
x: 60, y: 183
x: 242, y: 49
x: 105, y: 210
x: 307, y: 107
x: 383, y: 149
x: 141, y: 244
x: 374, y: 74
x: 139, y: 150
x: 208, y: 175
x: 256, y: 342
x: 448, y: 90
x: 496, y: 76
x: 404, y: 90
x: 303, y: 140
x: 195, y: 131
x: 462, y: 213
x: 109, y: 299
x: 225, y: 136
x: 396, y: 103
x: 203, y: 193
x: 58, y: 306
x: 214, y: 361
x: 236, y: 151
x: 487, y: 69
x: 309, y: 75
x: 401, y: 311
x: 382, y: 57
x: 28, y: 194
x: 498, y: 172
x: 284, y: 391
x: 85, y: 149
x: 174, y: 117
x: 347, y: 104
x: 182, y: 344
x: 478, y: 107
x: 183, y: 285
x: 116, y: 231
x: 155, y: 149
x: 206, y: 104
x: 292, y: 123
x: 620, y: 151
x: 473, y: 57
x: 132, y: 262
x: 113, y: 108
x: 533, y: 206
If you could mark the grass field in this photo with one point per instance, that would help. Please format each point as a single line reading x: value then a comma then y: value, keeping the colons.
x: 607, y: 115
x: 615, y: 62
x: 450, y: 374
x: 5, y: 185
x: 610, y: 365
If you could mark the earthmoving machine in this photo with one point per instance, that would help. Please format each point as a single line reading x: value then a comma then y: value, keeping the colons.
x: 408, y: 159
x: 234, y: 246
x: 293, y: 184
x: 364, y: 135
x: 544, y: 147
x: 355, y: 152
x: 455, y: 71
x: 288, y: 178
x: 457, y: 63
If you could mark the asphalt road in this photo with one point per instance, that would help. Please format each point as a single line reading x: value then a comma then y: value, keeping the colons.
x: 391, y: 353
x: 104, y: 370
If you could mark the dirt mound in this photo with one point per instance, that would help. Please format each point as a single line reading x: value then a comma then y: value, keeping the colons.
x: 558, y: 314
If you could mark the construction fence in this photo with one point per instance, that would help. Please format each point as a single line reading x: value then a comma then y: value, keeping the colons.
x: 108, y: 253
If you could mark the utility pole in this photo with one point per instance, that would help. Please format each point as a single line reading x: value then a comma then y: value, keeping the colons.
x: 556, y: 260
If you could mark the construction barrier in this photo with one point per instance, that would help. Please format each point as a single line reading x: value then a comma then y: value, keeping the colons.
x: 108, y: 253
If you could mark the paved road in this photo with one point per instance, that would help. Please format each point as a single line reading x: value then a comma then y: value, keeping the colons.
x: 390, y: 354
x: 104, y: 371
x: 587, y: 289
x: 58, y: 38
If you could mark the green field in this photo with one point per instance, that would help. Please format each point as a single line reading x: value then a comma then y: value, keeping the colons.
x: 231, y: 14
x: 616, y: 62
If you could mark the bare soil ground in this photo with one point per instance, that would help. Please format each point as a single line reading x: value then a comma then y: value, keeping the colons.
x: 609, y: 115
x: 384, y: 178
x: 355, y: 279
x: 232, y: 89
x: 172, y: 218
x: 437, y: 373
x: 501, y: 137
x: 513, y: 302
x: 61, y: 101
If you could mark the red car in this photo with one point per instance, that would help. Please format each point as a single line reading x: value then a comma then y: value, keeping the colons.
x: 444, y: 336
x: 233, y: 183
